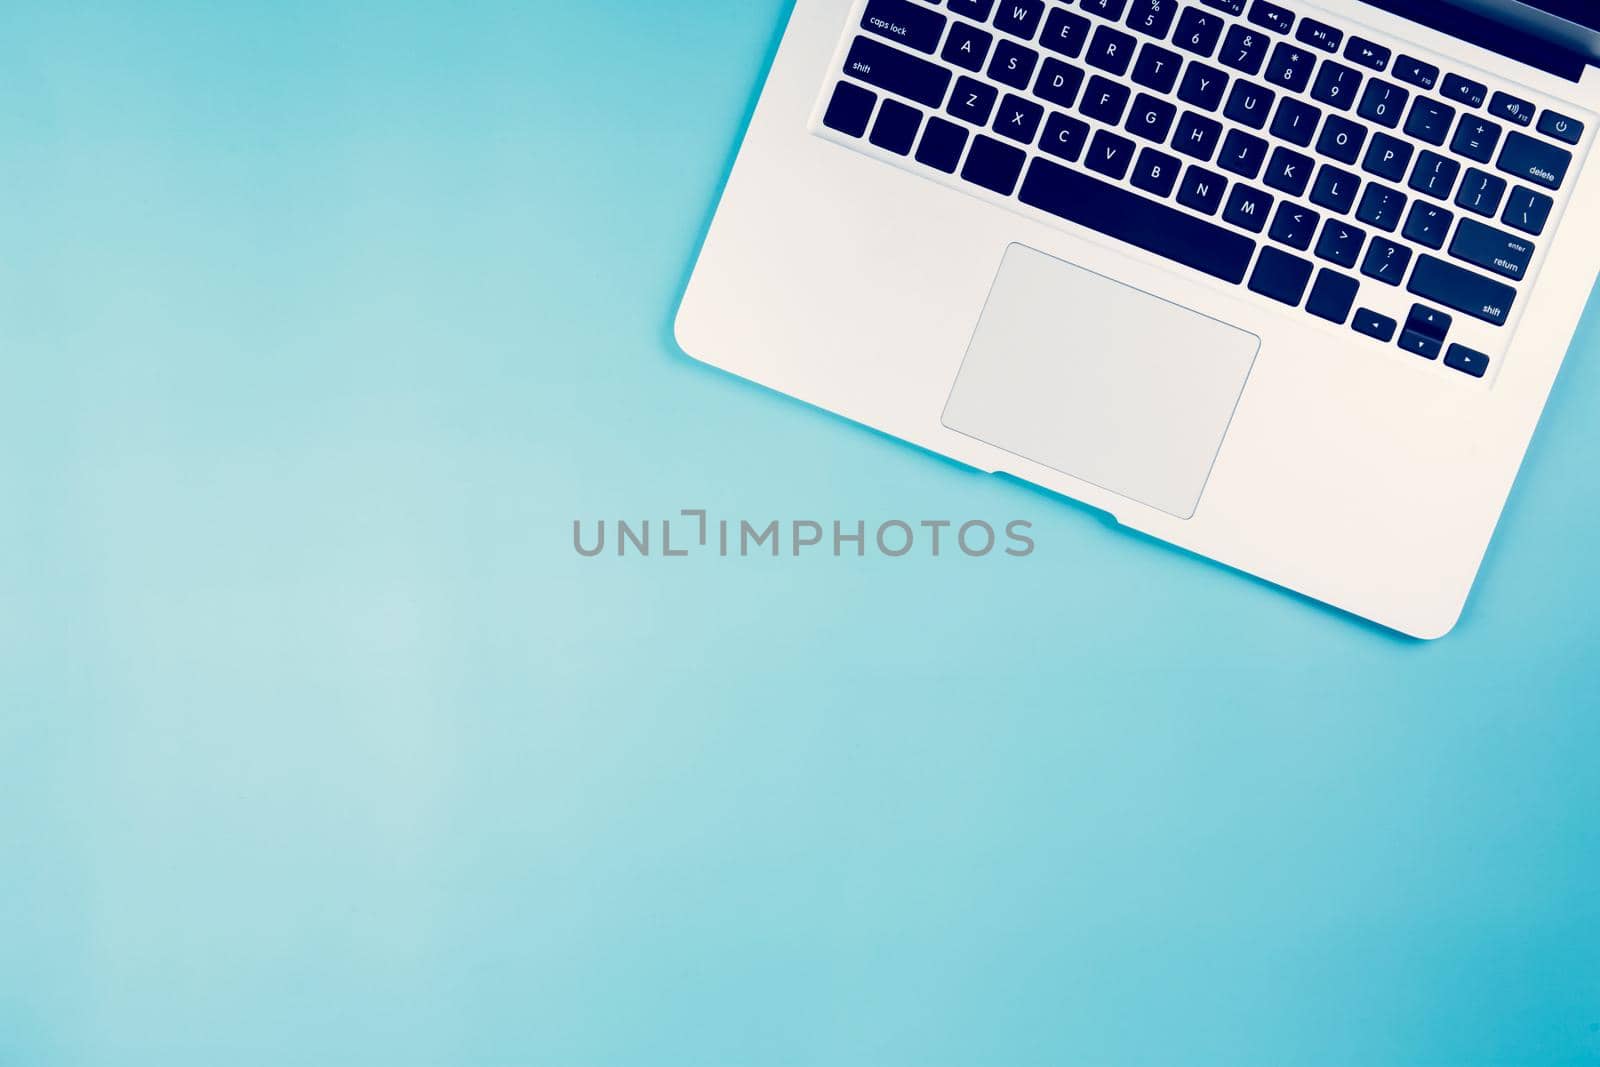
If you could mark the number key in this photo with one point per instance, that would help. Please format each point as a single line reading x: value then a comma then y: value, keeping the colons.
x: 1336, y: 85
x: 1290, y: 66
x: 1383, y: 103
x: 1152, y: 17
x: 1198, y: 32
x: 1244, y: 49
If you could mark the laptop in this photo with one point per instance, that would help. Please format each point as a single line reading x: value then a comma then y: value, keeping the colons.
x: 1284, y: 284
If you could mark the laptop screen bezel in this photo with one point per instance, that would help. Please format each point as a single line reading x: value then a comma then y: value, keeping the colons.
x: 1539, y: 36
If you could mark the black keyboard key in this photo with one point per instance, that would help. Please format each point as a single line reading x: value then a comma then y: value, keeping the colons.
x: 1018, y: 119
x: 1421, y: 344
x: 1494, y: 250
x: 1247, y: 208
x: 1105, y: 100
x: 1249, y: 104
x: 1341, y: 243
x: 1416, y: 72
x: 1291, y: 67
x: 1372, y: 324
x: 1430, y: 321
x: 1065, y: 33
x: 1058, y: 83
x: 1270, y: 15
x: 1462, y: 290
x: 1232, y: 7
x: 942, y: 145
x: 1106, y: 9
x: 1296, y: 122
x: 1342, y: 139
x: 1242, y: 153
x: 1476, y: 138
x: 1527, y: 211
x: 913, y: 25
x: 1153, y: 18
x: 1464, y: 91
x: 1386, y: 261
x: 896, y: 128
x: 973, y: 101
x: 1110, y: 154
x: 850, y: 109
x: 1435, y: 175
x: 1335, y: 189
x: 1201, y: 190
x: 1294, y: 225
x: 1333, y: 296
x: 1198, y: 31
x: 1244, y: 49
x: 1430, y: 120
x: 1203, y: 86
x: 1381, y: 207
x: 1336, y: 85
x: 1143, y: 223
x: 1280, y: 276
x: 1020, y: 18
x: 1536, y: 161
x: 1197, y: 136
x: 994, y: 165
x: 1111, y: 50
x: 1064, y: 136
x: 1481, y: 193
x: 1319, y: 35
x: 897, y: 72
x: 1289, y: 171
x: 977, y: 10
x: 1151, y: 118
x: 1157, y: 68
x: 1013, y: 64
x: 967, y: 47
x: 1428, y: 225
x: 1467, y: 361
x: 1384, y: 103
x: 1156, y: 172
x: 1560, y: 127
x: 1511, y: 108
x: 1367, y: 53
x: 1388, y: 157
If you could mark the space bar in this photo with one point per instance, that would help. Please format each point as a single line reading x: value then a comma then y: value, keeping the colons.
x: 1137, y: 220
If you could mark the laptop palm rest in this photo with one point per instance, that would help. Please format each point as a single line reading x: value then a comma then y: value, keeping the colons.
x: 1101, y: 381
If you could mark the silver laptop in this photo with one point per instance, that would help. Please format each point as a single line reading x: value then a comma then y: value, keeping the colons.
x: 1285, y: 284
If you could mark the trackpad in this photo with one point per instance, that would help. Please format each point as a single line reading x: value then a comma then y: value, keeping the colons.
x: 1101, y: 381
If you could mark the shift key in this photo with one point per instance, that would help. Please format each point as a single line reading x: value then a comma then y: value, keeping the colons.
x: 910, y: 24
x: 897, y: 72
x: 1462, y: 290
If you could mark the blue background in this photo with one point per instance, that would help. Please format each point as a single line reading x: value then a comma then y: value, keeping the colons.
x: 322, y: 323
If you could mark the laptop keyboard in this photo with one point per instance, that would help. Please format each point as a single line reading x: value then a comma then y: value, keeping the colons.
x: 1333, y: 174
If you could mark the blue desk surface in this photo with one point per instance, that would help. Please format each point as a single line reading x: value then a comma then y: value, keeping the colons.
x: 319, y: 744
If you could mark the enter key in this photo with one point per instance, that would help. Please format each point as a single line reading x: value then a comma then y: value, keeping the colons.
x: 1495, y: 250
